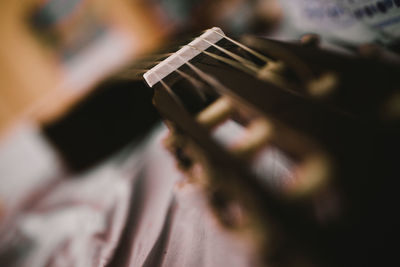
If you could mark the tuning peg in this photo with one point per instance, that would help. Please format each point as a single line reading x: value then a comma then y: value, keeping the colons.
x: 369, y: 51
x: 310, y: 39
x: 323, y: 85
x: 216, y: 113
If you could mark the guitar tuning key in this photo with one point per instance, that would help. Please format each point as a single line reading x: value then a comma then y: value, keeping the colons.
x: 258, y: 134
x: 273, y: 71
x: 215, y: 113
x: 311, y: 175
x: 311, y: 40
x: 369, y: 51
x: 251, y: 141
x: 278, y: 67
x: 323, y: 85
x: 391, y: 108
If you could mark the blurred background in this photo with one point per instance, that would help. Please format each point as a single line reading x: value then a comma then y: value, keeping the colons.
x: 77, y: 120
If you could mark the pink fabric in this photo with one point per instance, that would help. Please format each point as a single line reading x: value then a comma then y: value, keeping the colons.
x: 123, y: 213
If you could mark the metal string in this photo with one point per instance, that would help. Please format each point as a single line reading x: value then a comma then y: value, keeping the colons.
x: 198, y: 85
x: 240, y: 59
x: 228, y: 61
x: 244, y: 47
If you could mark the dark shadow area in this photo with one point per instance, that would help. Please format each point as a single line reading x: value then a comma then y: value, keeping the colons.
x: 114, y: 115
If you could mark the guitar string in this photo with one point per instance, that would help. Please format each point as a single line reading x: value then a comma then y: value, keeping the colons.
x: 211, y: 80
x: 171, y: 92
x: 240, y: 59
x: 274, y: 78
x: 197, y: 84
x: 244, y: 47
x: 278, y: 79
x: 228, y: 61
x: 246, y: 63
x: 303, y: 71
x: 237, y: 57
x: 241, y: 63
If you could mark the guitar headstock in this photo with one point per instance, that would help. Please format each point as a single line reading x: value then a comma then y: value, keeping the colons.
x: 292, y: 143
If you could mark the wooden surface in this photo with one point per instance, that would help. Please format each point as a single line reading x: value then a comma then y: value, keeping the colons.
x: 32, y: 81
